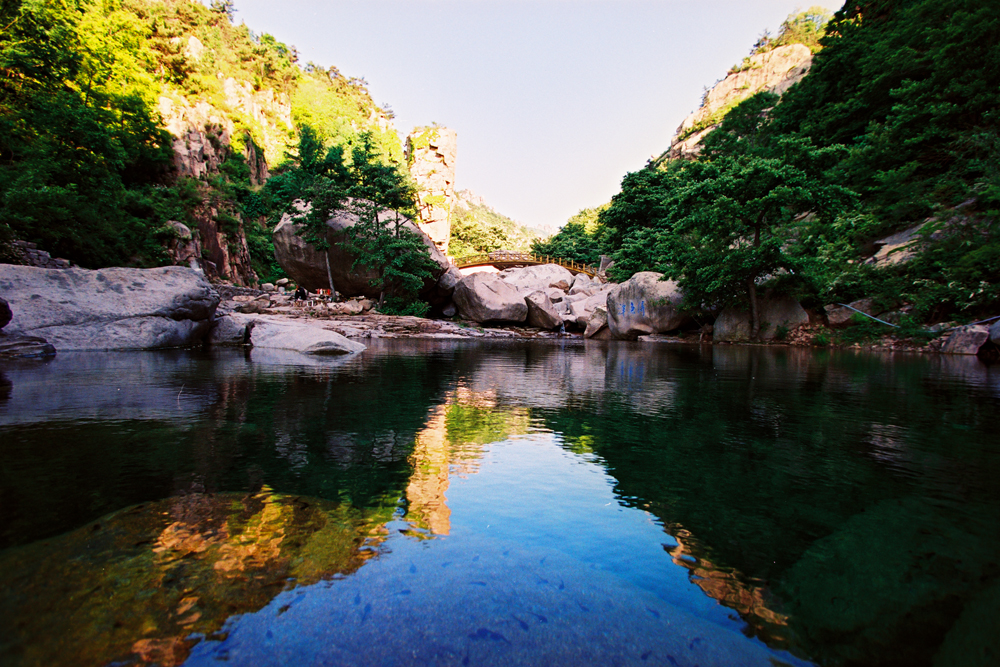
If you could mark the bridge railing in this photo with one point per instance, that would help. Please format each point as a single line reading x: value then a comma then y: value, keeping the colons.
x: 508, y: 258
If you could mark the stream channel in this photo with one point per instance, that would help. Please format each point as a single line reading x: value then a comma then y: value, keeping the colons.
x: 439, y: 502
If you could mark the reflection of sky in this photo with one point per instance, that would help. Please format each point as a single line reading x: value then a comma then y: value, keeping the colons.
x: 557, y: 572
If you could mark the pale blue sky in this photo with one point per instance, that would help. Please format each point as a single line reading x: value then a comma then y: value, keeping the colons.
x: 553, y: 100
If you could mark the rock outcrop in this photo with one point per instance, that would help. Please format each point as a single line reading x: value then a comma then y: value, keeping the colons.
x: 966, y: 340
x: 774, y: 71
x: 483, y: 297
x: 430, y: 155
x: 29, y: 254
x: 79, y: 309
x: 780, y: 312
x: 308, y: 266
x: 301, y: 338
x: 644, y: 304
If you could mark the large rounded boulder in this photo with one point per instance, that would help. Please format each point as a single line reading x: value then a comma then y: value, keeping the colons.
x: 537, y: 277
x: 645, y: 304
x: 308, y: 266
x: 483, y: 297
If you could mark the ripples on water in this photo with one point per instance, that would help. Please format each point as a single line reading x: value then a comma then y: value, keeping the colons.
x: 435, y: 502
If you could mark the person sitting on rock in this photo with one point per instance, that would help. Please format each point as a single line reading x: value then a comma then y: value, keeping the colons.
x: 301, y: 294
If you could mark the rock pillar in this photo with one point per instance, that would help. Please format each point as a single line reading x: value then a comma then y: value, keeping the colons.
x: 430, y: 155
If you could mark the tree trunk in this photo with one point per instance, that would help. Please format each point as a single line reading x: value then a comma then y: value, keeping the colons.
x: 381, y: 299
x: 329, y: 275
x: 754, y: 310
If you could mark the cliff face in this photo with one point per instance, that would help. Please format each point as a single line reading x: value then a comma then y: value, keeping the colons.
x: 774, y: 71
x: 430, y: 154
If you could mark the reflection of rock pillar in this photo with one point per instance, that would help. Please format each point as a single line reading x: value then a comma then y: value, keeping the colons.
x: 425, y: 494
x: 430, y: 154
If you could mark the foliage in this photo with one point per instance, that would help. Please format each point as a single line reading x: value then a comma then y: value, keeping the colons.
x: 478, y: 229
x: 900, y: 108
x: 805, y: 28
x: 582, y: 239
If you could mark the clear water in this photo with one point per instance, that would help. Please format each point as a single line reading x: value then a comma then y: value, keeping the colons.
x: 471, y: 503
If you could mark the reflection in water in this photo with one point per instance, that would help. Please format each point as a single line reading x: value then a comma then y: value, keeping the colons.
x: 843, y: 505
x: 137, y: 584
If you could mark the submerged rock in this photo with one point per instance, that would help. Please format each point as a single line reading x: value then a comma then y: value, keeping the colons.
x: 108, y: 309
x: 13, y: 346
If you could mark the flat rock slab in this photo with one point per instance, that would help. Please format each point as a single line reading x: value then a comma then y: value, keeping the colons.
x: 303, y: 338
x: 109, y: 309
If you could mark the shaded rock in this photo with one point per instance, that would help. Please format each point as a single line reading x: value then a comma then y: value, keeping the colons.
x: 644, y: 305
x: 5, y: 313
x: 230, y: 329
x: 116, y: 308
x: 555, y: 294
x: 302, y: 338
x: 451, y: 310
x: 16, y: 345
x: 597, y: 324
x: 541, y: 312
x: 839, y: 316
x: 307, y: 266
x: 966, y: 340
x: 537, y: 277
x: 995, y: 333
x: 449, y: 279
x: 484, y: 297
x: 583, y: 309
x: 253, y: 307
x: 560, y: 285
x: 776, y: 312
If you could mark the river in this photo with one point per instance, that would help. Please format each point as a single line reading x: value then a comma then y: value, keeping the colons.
x: 500, y: 502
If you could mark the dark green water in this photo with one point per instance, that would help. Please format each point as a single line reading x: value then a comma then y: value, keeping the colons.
x: 443, y: 502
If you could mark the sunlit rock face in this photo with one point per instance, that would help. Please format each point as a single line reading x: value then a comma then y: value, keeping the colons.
x: 431, y: 154
x: 138, y: 583
x: 645, y: 304
x: 774, y: 71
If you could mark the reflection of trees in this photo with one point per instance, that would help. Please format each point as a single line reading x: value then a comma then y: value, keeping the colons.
x: 141, y: 581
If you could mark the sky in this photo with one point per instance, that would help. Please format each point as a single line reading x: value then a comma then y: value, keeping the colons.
x: 554, y: 101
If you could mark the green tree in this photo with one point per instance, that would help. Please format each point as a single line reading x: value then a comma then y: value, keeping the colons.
x: 381, y: 196
x: 582, y: 239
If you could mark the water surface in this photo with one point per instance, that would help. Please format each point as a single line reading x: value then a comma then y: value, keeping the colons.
x: 469, y: 502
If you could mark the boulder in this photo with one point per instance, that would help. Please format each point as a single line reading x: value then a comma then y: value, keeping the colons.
x: 307, y: 266
x: 598, y: 324
x: 230, y: 329
x: 583, y: 283
x: 451, y: 310
x: 19, y: 346
x: 583, y: 309
x: 995, y: 333
x: 541, y: 312
x: 966, y: 340
x: 484, y: 297
x: 537, y: 277
x: 303, y: 338
x: 555, y: 294
x: 560, y: 285
x: 897, y: 248
x: 778, y: 311
x: 644, y: 304
x: 5, y: 313
x: 116, y: 308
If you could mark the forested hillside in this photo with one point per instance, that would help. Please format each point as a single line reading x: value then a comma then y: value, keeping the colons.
x: 476, y: 228
x: 895, y: 130
x: 117, y: 116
